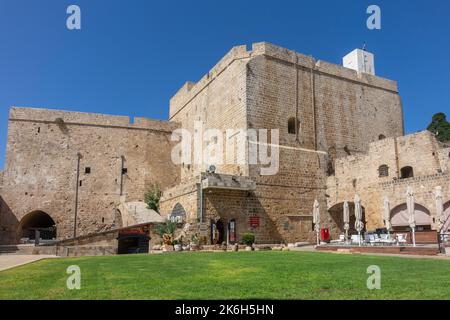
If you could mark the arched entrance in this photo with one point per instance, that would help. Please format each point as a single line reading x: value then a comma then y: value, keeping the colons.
x: 337, y: 214
x: 37, y: 223
x: 400, y: 218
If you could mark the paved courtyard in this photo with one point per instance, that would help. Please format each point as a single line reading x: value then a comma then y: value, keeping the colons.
x: 11, y: 261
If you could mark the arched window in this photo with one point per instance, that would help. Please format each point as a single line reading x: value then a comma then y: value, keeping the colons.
x: 381, y: 137
x: 383, y: 171
x: 178, y: 214
x: 292, y: 126
x: 407, y: 172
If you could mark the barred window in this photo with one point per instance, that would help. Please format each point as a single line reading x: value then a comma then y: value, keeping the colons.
x: 383, y: 171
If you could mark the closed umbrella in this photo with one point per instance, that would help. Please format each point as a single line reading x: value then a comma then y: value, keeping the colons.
x: 346, y: 219
x: 387, y: 215
x: 440, y: 208
x: 411, y: 208
x: 316, y: 218
x: 359, y: 225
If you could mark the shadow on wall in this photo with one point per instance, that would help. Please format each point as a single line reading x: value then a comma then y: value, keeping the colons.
x: 8, y: 224
x: 337, y: 215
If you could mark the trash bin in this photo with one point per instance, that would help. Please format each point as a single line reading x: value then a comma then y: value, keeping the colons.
x: 325, y: 235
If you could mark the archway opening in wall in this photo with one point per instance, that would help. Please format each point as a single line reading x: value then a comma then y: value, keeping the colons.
x: 400, y: 218
x: 37, y: 223
x: 337, y: 215
x: 406, y: 172
x: 178, y: 214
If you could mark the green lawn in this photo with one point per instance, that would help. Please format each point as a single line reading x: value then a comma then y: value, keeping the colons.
x: 242, y: 275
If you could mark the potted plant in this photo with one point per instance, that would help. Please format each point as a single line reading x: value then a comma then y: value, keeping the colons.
x: 168, y: 242
x: 177, y: 245
x: 166, y: 231
x: 248, y: 239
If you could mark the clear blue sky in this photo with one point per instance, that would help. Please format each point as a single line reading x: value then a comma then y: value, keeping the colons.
x: 131, y: 56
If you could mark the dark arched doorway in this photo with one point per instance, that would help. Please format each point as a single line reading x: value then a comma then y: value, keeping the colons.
x: 37, y: 223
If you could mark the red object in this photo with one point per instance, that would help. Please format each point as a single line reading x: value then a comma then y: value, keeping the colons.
x: 254, y: 222
x: 325, y: 234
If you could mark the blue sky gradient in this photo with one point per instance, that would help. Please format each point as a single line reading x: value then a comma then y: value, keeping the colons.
x: 131, y: 56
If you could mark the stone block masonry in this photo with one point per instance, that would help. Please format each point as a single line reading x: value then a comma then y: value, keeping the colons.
x: 118, y: 161
x: 330, y: 121
x: 336, y: 112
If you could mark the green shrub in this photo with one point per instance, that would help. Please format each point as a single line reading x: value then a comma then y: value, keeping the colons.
x: 152, y: 197
x: 248, y: 239
x: 167, y: 227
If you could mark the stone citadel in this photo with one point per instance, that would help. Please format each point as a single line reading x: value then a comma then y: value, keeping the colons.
x: 340, y: 133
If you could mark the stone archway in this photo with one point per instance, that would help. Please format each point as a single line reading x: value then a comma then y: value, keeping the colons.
x: 337, y: 214
x: 178, y: 213
x: 37, y: 221
x: 400, y: 218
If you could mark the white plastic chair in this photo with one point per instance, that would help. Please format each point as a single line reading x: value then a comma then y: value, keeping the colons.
x: 401, y: 238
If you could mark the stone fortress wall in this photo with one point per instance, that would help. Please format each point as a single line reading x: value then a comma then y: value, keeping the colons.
x: 330, y: 121
x: 41, y: 168
x: 337, y: 111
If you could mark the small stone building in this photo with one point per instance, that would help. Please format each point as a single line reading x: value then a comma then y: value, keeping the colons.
x: 330, y: 132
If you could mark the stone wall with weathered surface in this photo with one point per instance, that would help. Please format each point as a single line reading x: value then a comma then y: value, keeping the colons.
x: 41, y: 167
x: 336, y: 110
x: 217, y: 101
x: 361, y: 175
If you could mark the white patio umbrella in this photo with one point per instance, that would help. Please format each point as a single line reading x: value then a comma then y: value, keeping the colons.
x: 316, y: 218
x: 346, y: 219
x: 440, y: 208
x: 387, y: 215
x: 359, y: 225
x: 410, y: 209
